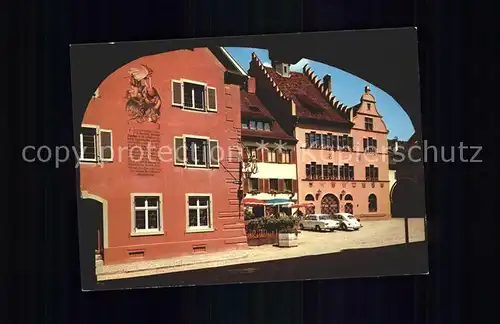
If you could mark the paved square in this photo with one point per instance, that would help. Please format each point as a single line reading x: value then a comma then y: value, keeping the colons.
x: 372, y: 234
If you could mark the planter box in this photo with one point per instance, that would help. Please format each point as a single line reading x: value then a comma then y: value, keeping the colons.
x: 288, y: 240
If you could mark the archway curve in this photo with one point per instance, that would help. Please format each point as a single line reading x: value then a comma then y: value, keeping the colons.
x: 406, y: 199
x: 348, y: 197
x: 330, y: 204
x: 104, y: 202
x: 309, y: 197
x: 399, y: 181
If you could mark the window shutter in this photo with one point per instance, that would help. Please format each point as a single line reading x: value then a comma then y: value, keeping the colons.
x: 367, y: 173
x: 293, y: 156
x: 266, y: 185
x: 374, y: 143
x: 351, y: 172
x: 365, y: 143
x: 260, y: 155
x: 180, y: 149
x: 375, y: 173
x: 261, y: 185
x: 281, y: 184
x: 177, y: 93
x: 214, y: 153
x: 308, y: 140
x: 106, y: 145
x: 335, y: 143
x: 294, y: 186
x: 246, y: 185
x: 212, y: 99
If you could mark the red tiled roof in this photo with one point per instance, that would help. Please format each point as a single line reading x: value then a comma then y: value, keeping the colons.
x: 309, y: 101
x: 251, y: 100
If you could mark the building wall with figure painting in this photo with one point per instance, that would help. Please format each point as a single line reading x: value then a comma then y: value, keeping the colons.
x: 161, y: 139
x: 342, y: 162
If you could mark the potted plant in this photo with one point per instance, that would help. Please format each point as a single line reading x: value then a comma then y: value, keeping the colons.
x: 273, y: 192
x: 287, y: 232
x: 288, y: 237
x: 254, y: 192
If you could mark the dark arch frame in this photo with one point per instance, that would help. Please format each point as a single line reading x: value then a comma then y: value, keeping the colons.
x: 393, y: 63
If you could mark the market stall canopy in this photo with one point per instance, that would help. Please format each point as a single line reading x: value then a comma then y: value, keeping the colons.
x: 253, y: 202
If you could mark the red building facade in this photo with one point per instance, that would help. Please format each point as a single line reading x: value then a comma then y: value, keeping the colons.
x: 159, y: 143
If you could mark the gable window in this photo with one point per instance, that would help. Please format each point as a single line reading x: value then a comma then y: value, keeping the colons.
x: 199, y: 213
x: 267, y: 127
x: 96, y: 144
x: 200, y: 152
x: 371, y: 173
x: 244, y: 125
x: 194, y: 95
x: 252, y: 124
x: 369, y: 123
x: 368, y: 106
x: 260, y: 125
x: 146, y: 215
x: 369, y: 144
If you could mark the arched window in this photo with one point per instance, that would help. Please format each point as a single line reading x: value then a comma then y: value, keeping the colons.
x: 309, y: 197
x: 372, y: 203
x: 348, y: 197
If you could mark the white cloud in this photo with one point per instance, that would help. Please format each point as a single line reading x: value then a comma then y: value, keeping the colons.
x: 297, y: 67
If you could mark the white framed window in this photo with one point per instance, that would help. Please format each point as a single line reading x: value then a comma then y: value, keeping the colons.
x: 199, y: 212
x: 95, y: 144
x: 271, y: 156
x: 146, y: 213
x: 89, y: 143
x: 194, y: 95
x: 196, y: 151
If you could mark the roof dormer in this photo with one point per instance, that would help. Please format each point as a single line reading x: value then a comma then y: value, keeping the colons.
x: 282, y: 69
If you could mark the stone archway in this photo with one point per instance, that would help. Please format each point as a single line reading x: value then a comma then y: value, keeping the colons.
x: 329, y: 204
x: 95, y: 209
x: 310, y: 209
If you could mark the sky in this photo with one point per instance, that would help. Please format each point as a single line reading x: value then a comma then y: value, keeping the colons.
x: 346, y: 87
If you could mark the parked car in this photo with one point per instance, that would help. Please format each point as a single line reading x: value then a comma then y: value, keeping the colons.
x: 319, y: 222
x: 347, y: 221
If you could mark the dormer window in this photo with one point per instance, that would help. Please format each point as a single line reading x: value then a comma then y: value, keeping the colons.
x: 283, y: 69
x: 368, y: 106
x: 258, y: 125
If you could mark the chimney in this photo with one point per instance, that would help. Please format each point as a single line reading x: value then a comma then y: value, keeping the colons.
x: 327, y: 81
x: 251, y: 85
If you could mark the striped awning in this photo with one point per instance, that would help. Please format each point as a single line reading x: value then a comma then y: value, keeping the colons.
x: 278, y: 202
x: 252, y: 202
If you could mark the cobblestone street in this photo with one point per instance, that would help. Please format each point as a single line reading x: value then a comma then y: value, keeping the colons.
x: 373, y: 234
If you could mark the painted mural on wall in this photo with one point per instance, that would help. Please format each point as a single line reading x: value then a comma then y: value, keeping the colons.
x: 143, y: 100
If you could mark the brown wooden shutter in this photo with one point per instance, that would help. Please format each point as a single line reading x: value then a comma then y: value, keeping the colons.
x: 246, y: 185
x: 179, y: 156
x: 261, y: 185
x: 293, y: 156
x: 375, y: 173
x: 295, y: 186
x: 212, y: 99
x: 267, y: 185
x: 106, y: 146
x: 265, y: 156
x: 279, y: 156
x: 367, y: 173
x: 260, y: 155
x: 365, y: 143
x: 176, y: 93
x: 281, y: 184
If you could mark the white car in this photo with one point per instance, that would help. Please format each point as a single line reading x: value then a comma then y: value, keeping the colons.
x: 319, y: 222
x: 347, y: 221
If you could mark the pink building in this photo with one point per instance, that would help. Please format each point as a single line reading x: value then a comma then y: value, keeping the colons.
x: 342, y: 158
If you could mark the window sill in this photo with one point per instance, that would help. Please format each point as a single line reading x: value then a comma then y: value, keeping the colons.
x: 199, y: 230
x: 146, y: 234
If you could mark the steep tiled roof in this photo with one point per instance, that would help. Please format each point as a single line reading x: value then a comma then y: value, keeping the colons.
x: 312, y: 99
x: 252, y: 107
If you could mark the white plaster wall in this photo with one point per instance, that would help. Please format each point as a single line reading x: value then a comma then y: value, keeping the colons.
x: 275, y: 171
